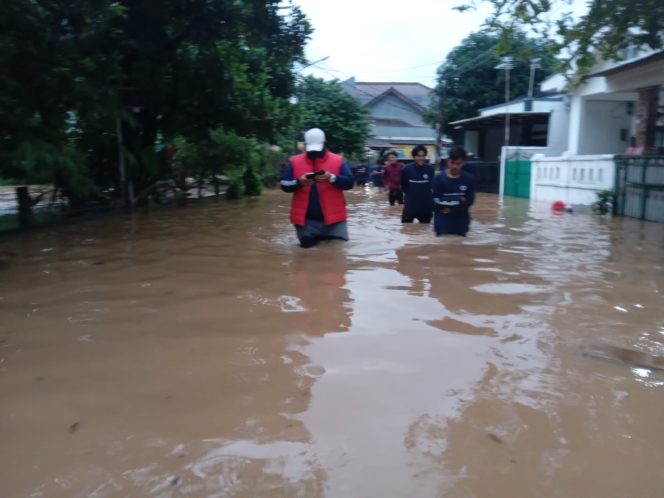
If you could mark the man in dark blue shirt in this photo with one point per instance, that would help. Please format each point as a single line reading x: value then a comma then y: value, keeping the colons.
x: 453, y: 194
x: 416, y: 179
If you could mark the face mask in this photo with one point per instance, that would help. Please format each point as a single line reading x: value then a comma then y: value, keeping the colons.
x: 315, y: 154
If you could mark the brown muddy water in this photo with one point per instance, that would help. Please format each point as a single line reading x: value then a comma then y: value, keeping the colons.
x: 201, y: 353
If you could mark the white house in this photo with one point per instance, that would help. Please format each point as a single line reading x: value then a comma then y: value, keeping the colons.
x: 618, y: 110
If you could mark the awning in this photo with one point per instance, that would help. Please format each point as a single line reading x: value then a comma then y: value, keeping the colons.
x: 479, y: 122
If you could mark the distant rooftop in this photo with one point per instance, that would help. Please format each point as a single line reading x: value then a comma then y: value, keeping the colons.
x: 366, y: 91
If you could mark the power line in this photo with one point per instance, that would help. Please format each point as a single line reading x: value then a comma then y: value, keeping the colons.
x: 413, y: 78
x: 403, y: 69
x: 459, y: 71
x: 472, y: 62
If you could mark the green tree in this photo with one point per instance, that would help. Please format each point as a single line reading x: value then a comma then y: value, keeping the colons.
x: 603, y: 30
x: 54, y: 68
x: 468, y: 79
x: 326, y: 105
x: 203, y: 65
x: 69, y: 69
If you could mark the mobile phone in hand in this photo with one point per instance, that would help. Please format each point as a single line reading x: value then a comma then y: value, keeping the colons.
x: 310, y: 176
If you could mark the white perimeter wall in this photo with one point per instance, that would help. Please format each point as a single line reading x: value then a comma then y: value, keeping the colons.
x: 572, y: 179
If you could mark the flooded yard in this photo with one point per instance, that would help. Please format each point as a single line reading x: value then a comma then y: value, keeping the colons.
x: 200, y: 352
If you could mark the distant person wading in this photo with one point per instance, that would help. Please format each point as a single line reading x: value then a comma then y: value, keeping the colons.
x: 392, y: 178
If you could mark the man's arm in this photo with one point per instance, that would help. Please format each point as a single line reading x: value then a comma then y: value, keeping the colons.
x: 287, y: 182
x: 345, y: 180
x: 404, y: 178
x: 470, y: 192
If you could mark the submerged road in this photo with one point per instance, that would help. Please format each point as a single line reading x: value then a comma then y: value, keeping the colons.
x: 201, y: 352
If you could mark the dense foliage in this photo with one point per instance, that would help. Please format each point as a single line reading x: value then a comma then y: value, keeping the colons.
x: 328, y: 106
x: 73, y: 72
x: 468, y: 79
x: 603, y: 29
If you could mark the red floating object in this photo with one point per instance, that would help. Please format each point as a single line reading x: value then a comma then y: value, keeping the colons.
x: 558, y: 206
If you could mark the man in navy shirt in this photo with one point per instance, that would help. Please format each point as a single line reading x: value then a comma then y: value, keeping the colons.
x: 453, y: 194
x: 416, y: 179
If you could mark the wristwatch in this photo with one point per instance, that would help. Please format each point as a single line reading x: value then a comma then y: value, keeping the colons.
x: 333, y: 178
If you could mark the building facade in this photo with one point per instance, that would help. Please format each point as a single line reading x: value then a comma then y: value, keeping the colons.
x: 396, y: 113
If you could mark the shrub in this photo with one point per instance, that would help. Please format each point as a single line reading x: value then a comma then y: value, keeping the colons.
x: 252, y: 181
x: 235, y: 188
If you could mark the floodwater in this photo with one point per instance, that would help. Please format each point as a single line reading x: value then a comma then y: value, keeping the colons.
x: 201, y: 353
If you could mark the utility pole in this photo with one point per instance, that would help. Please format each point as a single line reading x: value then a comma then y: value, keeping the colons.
x: 534, y: 64
x: 440, y: 128
x: 506, y: 63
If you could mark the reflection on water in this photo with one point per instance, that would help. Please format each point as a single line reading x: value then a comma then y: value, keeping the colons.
x: 200, y: 352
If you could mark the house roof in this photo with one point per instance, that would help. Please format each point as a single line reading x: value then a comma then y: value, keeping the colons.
x: 366, y: 92
x: 378, y: 142
x: 550, y: 97
x: 399, y: 95
x: 494, y: 119
x: 626, y: 66
x: 390, y: 122
x: 414, y: 132
x: 404, y: 141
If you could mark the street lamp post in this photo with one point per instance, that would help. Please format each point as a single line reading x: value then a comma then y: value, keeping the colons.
x: 506, y: 63
x: 440, y: 126
x: 534, y: 64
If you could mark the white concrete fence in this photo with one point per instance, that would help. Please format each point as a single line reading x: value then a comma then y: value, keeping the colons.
x: 572, y: 179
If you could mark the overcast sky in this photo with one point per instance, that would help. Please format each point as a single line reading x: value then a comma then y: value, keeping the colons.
x: 376, y: 40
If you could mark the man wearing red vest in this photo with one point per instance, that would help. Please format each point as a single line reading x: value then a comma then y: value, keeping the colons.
x: 317, y: 180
